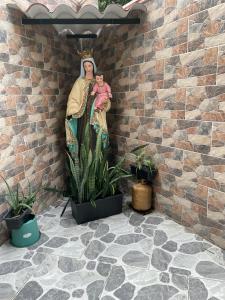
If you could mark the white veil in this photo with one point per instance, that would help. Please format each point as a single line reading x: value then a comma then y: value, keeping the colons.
x: 82, y: 71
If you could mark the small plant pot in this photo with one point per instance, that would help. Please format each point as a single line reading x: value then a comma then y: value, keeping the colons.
x: 143, y: 173
x: 27, y: 234
x: 105, y: 207
x: 15, y: 222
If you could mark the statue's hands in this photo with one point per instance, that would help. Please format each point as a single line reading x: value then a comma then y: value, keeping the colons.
x: 92, y: 93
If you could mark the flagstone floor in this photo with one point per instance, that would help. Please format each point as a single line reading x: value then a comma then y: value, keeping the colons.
x: 126, y: 256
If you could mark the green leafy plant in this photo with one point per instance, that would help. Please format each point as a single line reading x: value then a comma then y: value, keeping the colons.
x: 103, y: 3
x: 18, y: 201
x: 141, y: 160
x: 91, y: 176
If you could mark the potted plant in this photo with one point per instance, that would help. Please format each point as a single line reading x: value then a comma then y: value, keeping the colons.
x: 143, y: 168
x: 144, y: 171
x: 20, y: 219
x: 94, y: 183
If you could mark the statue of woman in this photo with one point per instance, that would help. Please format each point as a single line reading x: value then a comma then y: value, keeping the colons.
x: 80, y: 108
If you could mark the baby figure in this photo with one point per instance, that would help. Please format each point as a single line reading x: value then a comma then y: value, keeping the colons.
x: 102, y: 91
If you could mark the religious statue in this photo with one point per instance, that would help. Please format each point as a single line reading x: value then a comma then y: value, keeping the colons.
x: 81, y: 108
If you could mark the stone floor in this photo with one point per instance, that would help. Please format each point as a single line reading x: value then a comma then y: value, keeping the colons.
x: 126, y: 256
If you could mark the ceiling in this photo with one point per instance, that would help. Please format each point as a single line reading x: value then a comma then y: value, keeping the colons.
x: 75, y: 9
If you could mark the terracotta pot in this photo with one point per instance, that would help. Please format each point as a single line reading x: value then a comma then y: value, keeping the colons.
x: 141, y: 196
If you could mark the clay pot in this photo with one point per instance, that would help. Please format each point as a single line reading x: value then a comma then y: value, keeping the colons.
x: 141, y: 196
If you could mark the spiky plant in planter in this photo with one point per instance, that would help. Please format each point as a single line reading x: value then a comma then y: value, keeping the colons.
x: 92, y: 177
x: 20, y: 219
x: 94, y: 184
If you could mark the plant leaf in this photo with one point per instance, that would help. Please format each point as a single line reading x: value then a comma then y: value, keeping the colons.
x: 138, y: 148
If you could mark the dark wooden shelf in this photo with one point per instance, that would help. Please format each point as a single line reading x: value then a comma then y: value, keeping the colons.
x: 30, y: 21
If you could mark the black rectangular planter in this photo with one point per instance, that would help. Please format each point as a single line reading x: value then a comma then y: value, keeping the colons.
x: 143, y: 173
x: 105, y: 207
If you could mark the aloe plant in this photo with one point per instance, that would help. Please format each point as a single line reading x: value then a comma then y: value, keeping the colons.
x: 91, y: 176
x: 18, y: 201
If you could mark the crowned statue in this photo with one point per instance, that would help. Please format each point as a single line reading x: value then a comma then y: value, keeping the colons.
x: 88, y: 102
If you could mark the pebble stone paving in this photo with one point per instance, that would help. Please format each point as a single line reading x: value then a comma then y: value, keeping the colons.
x: 126, y: 256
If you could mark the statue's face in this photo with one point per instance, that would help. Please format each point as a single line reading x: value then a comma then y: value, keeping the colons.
x: 88, y: 67
x: 99, y: 79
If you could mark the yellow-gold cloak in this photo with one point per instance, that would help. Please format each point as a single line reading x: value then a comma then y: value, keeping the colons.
x: 77, y: 101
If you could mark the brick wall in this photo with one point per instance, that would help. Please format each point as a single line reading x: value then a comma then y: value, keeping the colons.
x: 168, y: 82
x: 37, y: 71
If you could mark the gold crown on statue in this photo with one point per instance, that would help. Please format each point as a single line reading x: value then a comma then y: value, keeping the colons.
x: 85, y: 53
